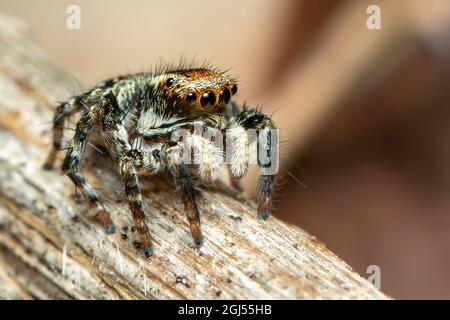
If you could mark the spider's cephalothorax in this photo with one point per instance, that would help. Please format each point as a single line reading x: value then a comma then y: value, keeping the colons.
x: 137, y: 115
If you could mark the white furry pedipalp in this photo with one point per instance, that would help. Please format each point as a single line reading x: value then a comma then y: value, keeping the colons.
x: 237, y: 151
x: 207, y: 156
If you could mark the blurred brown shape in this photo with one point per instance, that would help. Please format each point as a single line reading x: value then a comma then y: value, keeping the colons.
x: 305, y: 21
x: 373, y: 128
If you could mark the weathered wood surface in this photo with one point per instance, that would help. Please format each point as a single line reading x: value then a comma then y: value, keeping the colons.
x: 50, y: 249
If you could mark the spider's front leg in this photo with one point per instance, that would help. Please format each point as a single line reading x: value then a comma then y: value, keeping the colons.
x: 189, y: 194
x: 208, y: 160
x: 131, y: 162
x: 239, y: 122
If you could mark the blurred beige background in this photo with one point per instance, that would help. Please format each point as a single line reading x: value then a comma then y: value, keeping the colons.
x: 364, y: 114
x: 119, y: 37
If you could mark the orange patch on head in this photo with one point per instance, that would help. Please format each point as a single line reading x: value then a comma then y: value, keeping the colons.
x: 199, y: 73
x: 204, y: 89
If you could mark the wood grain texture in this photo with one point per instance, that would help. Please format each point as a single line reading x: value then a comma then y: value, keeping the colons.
x: 50, y: 249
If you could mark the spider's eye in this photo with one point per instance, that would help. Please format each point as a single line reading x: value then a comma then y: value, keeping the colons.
x: 204, y: 99
x: 225, y: 95
x: 233, y: 89
x: 191, y: 97
x: 208, y: 98
x: 212, y: 98
x: 170, y: 82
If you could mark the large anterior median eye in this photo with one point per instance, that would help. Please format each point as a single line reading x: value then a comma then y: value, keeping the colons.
x: 208, y: 98
x: 212, y: 98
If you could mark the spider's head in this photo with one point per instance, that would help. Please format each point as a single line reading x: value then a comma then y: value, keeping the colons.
x: 196, y: 91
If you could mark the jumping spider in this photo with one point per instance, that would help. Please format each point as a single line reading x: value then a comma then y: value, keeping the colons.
x: 148, y: 107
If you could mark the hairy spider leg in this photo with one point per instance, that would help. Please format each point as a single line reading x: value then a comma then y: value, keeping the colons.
x: 239, y: 122
x: 63, y: 112
x: 128, y: 172
x: 71, y: 167
x: 189, y: 194
x: 131, y: 163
